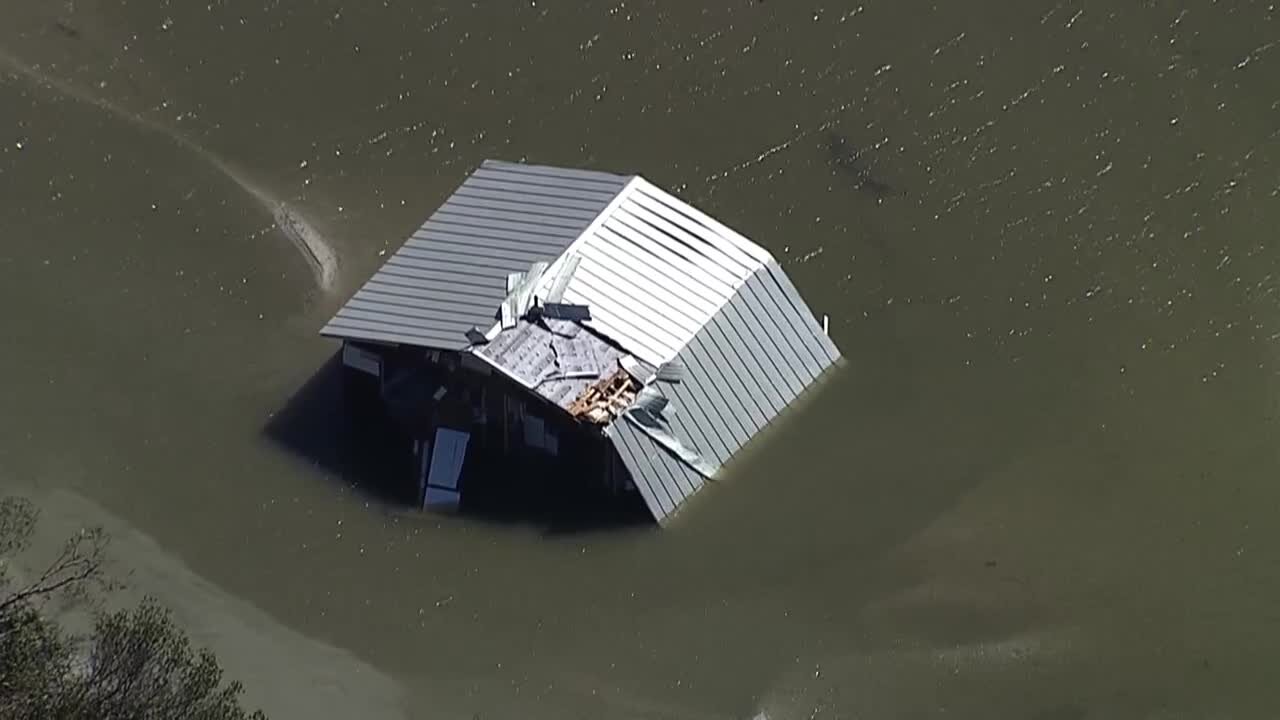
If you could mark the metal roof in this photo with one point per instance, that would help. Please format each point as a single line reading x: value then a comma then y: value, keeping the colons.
x: 726, y: 334
x: 654, y: 270
x: 450, y: 275
x: 664, y: 481
x: 743, y: 368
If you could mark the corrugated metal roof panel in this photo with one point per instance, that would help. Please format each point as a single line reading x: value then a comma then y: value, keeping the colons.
x: 799, y: 306
x: 756, y: 304
x: 404, y: 287
x: 485, y: 180
x: 483, y: 256
x: 481, y: 188
x: 739, y: 243
x: 637, y: 457
x: 666, y: 265
x: 510, y: 204
x: 743, y: 368
x: 707, y: 431
x: 451, y: 274
x: 712, y: 369
x: 654, y: 271
x: 757, y: 352
x: 394, y: 333
x: 533, y: 216
x: 738, y: 364
x: 664, y: 482
x: 677, y: 248
x: 486, y: 236
x: 734, y: 253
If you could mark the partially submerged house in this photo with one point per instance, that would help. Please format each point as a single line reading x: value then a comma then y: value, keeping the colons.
x: 548, y: 312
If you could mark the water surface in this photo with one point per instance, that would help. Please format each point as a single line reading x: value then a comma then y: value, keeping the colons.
x: 1045, y: 232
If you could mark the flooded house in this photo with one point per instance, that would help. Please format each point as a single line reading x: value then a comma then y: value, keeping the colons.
x: 583, y: 324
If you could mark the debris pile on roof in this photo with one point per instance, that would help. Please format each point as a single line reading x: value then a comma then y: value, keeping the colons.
x: 605, y: 400
x: 520, y: 298
x: 557, y: 359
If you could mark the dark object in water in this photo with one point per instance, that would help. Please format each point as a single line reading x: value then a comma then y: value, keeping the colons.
x: 843, y: 154
x: 848, y: 159
x: 67, y: 29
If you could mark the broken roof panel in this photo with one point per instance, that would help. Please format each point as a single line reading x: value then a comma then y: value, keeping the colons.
x: 654, y: 270
x: 574, y: 356
x: 560, y: 280
x: 550, y: 361
x: 666, y: 481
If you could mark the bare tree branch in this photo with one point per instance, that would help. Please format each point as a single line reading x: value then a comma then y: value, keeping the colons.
x: 134, y: 664
x: 79, y: 564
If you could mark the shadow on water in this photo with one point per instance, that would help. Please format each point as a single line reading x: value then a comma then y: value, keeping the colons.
x: 855, y: 163
x: 549, y: 499
x: 325, y: 423
x: 66, y: 29
x: 349, y: 436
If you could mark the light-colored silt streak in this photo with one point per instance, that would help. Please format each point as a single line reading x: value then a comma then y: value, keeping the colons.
x: 313, y: 247
x: 871, y: 679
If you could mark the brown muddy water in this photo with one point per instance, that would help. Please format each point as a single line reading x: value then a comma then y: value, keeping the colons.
x: 1045, y: 485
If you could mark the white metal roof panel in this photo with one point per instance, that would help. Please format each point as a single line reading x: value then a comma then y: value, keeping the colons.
x: 654, y: 270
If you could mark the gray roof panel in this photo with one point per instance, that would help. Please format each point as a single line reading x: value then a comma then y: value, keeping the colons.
x: 468, y: 253
x: 687, y: 482
x: 505, y: 196
x: 755, y: 302
x: 369, y: 306
x: 693, y: 397
x: 398, y: 286
x: 381, y: 331
x: 770, y: 390
x: 538, y: 212
x: 635, y: 454
x: 667, y: 482
x: 473, y: 265
x: 705, y: 362
x: 473, y: 243
x: 705, y: 438
x: 557, y: 177
x: 454, y: 274
x: 824, y: 346
x: 444, y: 229
x: 451, y: 274
x: 791, y: 320
x: 483, y: 182
x: 739, y: 362
x: 744, y: 367
x: 661, y: 479
x: 534, y: 217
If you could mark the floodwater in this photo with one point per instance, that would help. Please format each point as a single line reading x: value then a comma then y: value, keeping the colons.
x: 1044, y: 485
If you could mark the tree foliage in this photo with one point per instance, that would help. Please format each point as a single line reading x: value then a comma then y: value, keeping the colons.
x: 133, y: 664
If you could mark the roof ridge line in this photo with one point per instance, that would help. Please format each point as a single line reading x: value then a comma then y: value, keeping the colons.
x: 737, y: 288
x: 553, y: 267
x: 735, y: 239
